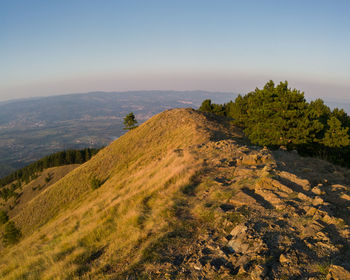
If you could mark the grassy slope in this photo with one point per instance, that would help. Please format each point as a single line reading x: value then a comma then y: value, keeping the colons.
x: 68, y: 226
x: 34, y: 188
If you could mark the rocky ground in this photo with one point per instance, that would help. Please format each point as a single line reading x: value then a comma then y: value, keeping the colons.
x: 279, y: 216
x: 187, y: 197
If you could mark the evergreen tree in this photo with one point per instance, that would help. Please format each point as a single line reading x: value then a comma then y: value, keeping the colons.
x: 277, y: 115
x: 336, y: 136
x: 130, y: 121
x: 206, y: 106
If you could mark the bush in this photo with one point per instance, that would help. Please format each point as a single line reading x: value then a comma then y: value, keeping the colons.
x: 96, y: 183
x: 11, y: 234
x: 48, y: 178
x: 3, y: 217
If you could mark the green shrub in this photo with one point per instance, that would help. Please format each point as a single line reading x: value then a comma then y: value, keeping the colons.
x: 95, y: 183
x: 11, y: 234
x: 3, y: 217
x: 48, y: 178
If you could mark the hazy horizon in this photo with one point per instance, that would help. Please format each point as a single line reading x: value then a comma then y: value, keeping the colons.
x: 60, y: 47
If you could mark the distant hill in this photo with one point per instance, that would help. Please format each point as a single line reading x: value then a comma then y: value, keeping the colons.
x: 35, y: 127
x: 185, y: 196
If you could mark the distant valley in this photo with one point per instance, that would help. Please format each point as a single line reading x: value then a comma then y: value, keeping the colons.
x: 33, y: 128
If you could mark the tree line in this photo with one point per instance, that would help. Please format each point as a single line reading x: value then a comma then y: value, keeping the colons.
x: 30, y: 172
x: 277, y: 115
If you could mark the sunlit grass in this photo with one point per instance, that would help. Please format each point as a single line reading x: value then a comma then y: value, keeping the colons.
x: 71, y: 230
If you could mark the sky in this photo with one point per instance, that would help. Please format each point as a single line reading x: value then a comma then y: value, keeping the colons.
x: 73, y: 46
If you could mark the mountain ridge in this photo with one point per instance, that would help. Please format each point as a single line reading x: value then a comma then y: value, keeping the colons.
x: 185, y: 196
x: 34, y: 128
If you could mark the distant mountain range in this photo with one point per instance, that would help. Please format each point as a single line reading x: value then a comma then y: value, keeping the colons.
x: 35, y: 127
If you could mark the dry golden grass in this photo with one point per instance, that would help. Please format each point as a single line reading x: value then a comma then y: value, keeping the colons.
x: 71, y: 231
x: 34, y: 188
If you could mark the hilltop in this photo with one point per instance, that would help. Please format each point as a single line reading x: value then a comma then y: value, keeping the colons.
x: 185, y: 196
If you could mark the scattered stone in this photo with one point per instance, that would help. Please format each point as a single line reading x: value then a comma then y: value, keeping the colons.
x: 241, y: 270
x: 311, y: 211
x: 238, y: 246
x: 316, y: 190
x: 327, y: 219
x: 240, y: 229
x: 317, y: 201
x: 251, y: 159
x: 337, y: 272
x: 258, y: 273
x: 303, y: 197
x: 345, y: 196
x: 338, y: 188
x: 283, y: 259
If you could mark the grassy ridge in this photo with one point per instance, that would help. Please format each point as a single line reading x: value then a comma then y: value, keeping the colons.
x: 68, y: 226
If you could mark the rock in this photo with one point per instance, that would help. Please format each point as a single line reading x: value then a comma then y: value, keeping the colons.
x: 281, y: 187
x: 239, y: 246
x: 345, y: 197
x: 258, y: 273
x: 271, y: 197
x: 327, y: 219
x: 283, y: 259
x: 337, y: 273
x: 338, y: 188
x: 316, y: 190
x: 303, y: 197
x: 317, y: 201
x: 241, y: 270
x: 265, y: 172
x: 238, y: 230
x: 250, y: 159
x: 311, y: 211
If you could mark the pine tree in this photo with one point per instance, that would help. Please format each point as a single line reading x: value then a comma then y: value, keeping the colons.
x: 130, y: 121
x: 336, y: 136
x: 206, y: 106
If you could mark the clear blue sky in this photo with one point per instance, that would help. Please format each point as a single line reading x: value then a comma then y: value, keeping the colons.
x: 63, y: 46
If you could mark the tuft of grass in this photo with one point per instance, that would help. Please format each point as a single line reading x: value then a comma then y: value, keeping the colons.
x: 96, y: 183
x: 323, y: 269
x: 234, y: 217
x: 65, y: 251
